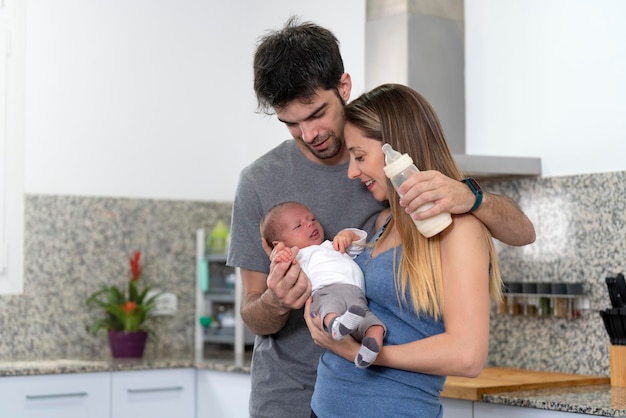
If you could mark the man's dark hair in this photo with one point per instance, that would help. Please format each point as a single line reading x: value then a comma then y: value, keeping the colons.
x: 293, y: 62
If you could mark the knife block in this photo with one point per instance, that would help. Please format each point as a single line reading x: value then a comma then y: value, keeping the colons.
x: 617, y: 357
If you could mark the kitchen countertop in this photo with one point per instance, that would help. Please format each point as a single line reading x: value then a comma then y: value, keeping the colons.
x: 593, y: 399
x: 500, y: 379
x: 592, y: 395
x: 599, y: 400
x: 33, y: 367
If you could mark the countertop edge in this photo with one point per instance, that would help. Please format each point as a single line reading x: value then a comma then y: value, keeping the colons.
x: 64, y: 366
x: 599, y: 400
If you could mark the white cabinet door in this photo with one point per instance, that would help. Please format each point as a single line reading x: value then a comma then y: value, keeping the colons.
x: 222, y: 394
x: 84, y: 395
x: 486, y: 410
x: 457, y: 408
x: 159, y: 393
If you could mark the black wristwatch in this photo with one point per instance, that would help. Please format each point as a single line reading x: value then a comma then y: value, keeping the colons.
x: 475, y: 188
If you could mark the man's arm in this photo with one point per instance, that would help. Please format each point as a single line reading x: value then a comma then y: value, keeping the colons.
x: 502, y: 216
x: 505, y: 220
x: 268, y: 299
x: 261, y: 317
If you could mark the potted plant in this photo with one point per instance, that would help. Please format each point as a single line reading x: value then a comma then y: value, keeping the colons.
x: 126, y: 313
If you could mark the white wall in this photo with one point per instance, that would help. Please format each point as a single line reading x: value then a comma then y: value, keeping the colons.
x: 153, y: 98
x: 548, y: 78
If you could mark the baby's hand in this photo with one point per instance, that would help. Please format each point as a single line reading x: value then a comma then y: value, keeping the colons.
x: 284, y: 255
x: 342, y: 241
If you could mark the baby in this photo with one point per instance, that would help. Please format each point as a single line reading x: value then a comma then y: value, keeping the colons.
x: 337, y: 281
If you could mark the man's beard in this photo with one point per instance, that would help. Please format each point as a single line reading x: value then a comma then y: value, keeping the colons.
x: 330, y: 152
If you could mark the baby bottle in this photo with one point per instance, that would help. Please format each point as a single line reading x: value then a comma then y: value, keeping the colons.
x: 398, y: 168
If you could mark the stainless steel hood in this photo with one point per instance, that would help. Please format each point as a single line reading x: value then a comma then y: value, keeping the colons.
x: 421, y: 43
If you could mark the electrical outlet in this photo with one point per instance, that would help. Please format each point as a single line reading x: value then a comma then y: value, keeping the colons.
x: 166, y: 304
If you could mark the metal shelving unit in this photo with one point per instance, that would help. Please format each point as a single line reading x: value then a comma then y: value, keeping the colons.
x: 217, y: 294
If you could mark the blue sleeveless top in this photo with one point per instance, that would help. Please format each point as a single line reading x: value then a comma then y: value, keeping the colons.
x: 342, y: 390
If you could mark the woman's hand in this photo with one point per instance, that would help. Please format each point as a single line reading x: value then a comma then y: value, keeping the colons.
x: 348, y: 348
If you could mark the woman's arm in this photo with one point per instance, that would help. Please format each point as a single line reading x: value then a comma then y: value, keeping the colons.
x: 462, y: 349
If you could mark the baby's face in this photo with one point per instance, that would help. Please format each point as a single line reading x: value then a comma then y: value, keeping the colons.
x: 301, y: 228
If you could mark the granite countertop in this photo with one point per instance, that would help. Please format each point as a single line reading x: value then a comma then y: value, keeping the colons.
x: 33, y: 367
x: 599, y: 400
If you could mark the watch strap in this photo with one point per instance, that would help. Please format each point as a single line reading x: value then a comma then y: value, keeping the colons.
x: 475, y: 188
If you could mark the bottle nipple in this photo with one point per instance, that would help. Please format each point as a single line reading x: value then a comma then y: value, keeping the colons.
x: 391, y: 155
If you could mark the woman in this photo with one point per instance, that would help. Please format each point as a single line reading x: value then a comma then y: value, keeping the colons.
x: 433, y: 294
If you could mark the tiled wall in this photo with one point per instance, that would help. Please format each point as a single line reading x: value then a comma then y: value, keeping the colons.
x: 74, y: 245
x: 580, y: 223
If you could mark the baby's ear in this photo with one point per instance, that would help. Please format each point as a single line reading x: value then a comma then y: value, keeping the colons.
x: 267, y: 247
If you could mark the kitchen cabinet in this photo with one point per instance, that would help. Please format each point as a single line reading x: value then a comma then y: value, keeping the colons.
x: 222, y: 394
x: 84, y: 395
x: 457, y: 408
x: 153, y: 393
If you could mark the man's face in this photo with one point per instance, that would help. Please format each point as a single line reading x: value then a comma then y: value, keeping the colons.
x: 316, y: 123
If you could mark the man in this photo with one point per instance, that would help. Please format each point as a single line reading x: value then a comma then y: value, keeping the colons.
x: 299, y: 76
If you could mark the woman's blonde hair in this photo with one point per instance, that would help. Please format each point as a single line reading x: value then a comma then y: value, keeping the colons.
x: 400, y: 116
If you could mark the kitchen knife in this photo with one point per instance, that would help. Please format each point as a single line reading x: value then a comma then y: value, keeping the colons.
x: 608, y: 326
x: 621, y: 287
x: 614, y: 294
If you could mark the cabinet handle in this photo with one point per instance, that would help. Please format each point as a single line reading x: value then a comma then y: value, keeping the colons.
x: 164, y: 389
x: 57, y: 395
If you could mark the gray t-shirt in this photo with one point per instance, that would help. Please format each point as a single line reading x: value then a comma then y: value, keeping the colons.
x: 284, y: 364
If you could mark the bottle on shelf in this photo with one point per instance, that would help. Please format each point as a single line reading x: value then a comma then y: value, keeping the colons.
x: 217, y: 242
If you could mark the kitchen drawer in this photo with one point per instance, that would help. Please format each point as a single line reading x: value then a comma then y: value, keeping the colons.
x: 84, y: 395
x: 163, y: 393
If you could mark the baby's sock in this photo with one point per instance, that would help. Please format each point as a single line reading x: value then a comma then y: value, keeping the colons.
x: 367, y: 353
x: 346, y: 323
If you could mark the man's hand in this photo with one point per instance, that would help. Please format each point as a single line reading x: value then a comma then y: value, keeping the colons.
x: 447, y: 194
x: 287, y: 285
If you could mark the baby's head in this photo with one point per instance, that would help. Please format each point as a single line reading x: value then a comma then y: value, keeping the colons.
x: 293, y: 224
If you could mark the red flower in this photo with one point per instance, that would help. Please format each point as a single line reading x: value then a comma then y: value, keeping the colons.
x: 135, y: 267
x: 129, y: 307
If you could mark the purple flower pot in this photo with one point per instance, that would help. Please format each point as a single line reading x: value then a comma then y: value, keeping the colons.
x: 127, y: 344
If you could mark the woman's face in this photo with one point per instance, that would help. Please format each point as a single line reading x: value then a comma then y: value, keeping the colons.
x: 366, y: 162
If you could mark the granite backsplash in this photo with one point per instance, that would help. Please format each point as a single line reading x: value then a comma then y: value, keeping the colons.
x: 580, y: 222
x: 74, y: 245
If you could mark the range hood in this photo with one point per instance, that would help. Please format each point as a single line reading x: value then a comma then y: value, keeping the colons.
x: 421, y: 43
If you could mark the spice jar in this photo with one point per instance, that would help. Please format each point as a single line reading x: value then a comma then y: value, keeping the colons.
x: 544, y: 292
x: 503, y: 305
x: 532, y: 302
x: 560, y: 309
x: 574, y: 289
x: 516, y: 302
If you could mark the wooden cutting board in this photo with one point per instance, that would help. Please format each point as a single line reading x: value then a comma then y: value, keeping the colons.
x: 496, y: 379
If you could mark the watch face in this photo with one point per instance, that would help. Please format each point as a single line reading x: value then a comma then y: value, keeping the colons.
x: 475, y: 184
